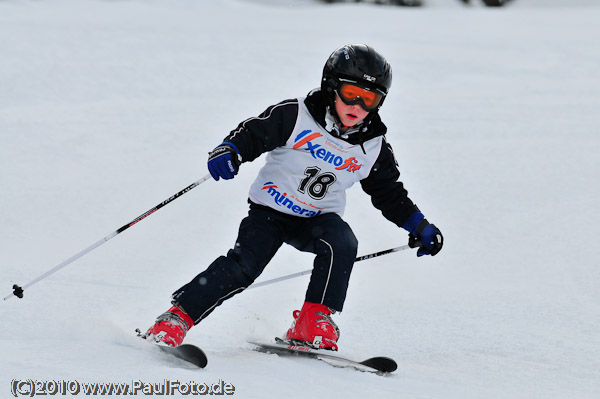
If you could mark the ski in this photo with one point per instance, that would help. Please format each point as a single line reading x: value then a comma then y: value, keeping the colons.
x: 186, y: 352
x: 379, y: 364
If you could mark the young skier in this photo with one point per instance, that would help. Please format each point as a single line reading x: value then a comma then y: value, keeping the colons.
x: 318, y: 146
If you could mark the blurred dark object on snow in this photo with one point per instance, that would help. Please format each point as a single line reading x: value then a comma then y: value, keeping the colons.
x: 407, y: 3
x: 490, y: 3
x: 415, y: 3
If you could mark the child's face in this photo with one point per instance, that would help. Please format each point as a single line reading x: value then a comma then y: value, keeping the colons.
x: 349, y: 115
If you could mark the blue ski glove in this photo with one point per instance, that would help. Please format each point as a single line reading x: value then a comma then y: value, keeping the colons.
x: 424, y: 235
x: 224, y: 161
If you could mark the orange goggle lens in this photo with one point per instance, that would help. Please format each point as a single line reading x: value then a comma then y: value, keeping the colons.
x: 351, y: 94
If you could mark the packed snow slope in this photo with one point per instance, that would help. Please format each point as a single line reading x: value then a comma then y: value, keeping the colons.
x: 108, y: 108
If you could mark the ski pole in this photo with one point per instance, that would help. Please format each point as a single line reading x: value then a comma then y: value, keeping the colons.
x: 411, y: 244
x: 18, y: 291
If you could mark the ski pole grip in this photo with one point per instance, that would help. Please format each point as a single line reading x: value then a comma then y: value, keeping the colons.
x: 414, y: 242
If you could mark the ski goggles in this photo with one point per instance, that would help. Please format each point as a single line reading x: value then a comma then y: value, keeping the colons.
x: 351, y: 94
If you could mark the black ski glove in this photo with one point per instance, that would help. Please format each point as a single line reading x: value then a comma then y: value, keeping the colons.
x: 424, y: 235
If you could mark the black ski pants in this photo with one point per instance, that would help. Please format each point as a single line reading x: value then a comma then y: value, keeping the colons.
x: 260, y: 235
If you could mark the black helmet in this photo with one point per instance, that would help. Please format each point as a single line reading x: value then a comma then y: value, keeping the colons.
x: 358, y: 64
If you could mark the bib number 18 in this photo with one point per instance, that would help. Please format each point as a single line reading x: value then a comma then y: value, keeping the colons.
x: 316, y: 184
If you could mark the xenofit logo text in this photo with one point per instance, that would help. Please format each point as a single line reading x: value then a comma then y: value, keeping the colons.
x: 305, y: 138
x: 283, y: 200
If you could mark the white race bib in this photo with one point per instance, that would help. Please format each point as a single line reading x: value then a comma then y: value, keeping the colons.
x: 310, y: 174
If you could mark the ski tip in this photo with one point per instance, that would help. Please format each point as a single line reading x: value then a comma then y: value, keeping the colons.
x: 187, y: 352
x: 382, y: 364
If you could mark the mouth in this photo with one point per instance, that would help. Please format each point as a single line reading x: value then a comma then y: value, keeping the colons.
x: 351, y: 116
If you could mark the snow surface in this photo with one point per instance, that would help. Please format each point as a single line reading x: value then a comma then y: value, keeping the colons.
x: 109, y: 107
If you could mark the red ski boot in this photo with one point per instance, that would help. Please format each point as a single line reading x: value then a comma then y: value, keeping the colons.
x: 170, y: 327
x: 313, y: 326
